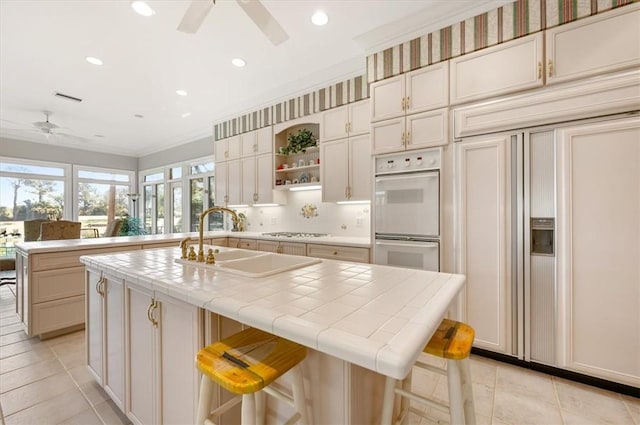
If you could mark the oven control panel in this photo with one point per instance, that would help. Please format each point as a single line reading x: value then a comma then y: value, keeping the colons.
x: 408, y: 161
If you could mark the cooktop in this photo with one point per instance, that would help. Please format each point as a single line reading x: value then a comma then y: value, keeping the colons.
x: 295, y: 234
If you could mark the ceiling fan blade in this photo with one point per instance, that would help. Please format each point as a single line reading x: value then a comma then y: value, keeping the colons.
x: 195, y: 15
x: 264, y: 20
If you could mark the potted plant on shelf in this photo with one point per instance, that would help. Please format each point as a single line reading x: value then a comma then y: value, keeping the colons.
x: 299, y: 142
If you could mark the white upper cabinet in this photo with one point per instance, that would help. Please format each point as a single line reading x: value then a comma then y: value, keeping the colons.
x: 226, y: 149
x: 417, y: 91
x: 595, y: 45
x: 257, y: 142
x: 416, y: 131
x: 346, y: 169
x: 505, y: 68
x: 257, y: 181
x: 345, y: 121
x: 248, y: 143
x: 228, y: 182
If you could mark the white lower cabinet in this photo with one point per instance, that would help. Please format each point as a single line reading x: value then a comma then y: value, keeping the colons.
x: 291, y: 248
x: 163, y: 336
x: 105, y: 332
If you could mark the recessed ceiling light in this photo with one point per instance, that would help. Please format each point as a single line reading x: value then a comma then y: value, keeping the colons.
x: 93, y: 61
x: 319, y: 18
x: 139, y: 116
x: 181, y: 92
x: 238, y: 62
x: 142, y: 8
x: 99, y: 135
x: 186, y: 114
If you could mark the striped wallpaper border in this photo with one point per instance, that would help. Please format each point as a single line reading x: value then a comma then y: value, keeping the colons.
x: 333, y: 96
x: 522, y: 17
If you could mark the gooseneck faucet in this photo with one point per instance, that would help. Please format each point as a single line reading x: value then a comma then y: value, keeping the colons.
x: 205, y: 213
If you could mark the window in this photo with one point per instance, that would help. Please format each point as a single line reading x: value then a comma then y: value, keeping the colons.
x: 30, y: 190
x: 202, y: 196
x: 102, y: 195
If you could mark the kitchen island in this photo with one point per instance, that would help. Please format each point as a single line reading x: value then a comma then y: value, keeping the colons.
x: 147, y: 317
x: 50, y: 277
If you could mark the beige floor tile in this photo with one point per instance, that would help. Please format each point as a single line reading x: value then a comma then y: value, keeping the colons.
x: 15, y: 337
x: 517, y: 380
x: 68, y: 347
x: 111, y: 414
x: 94, y: 393
x: 483, y: 399
x: 81, y: 375
x: 72, y: 359
x: 25, y: 359
x: 27, y: 375
x: 633, y: 407
x: 19, y: 347
x: 8, y: 312
x: 516, y: 409
x: 483, y: 371
x: 86, y: 417
x: 9, y: 320
x: 29, y: 395
x: 14, y: 327
x: 70, y: 337
x: 52, y: 411
x: 424, y: 382
x: 602, y: 405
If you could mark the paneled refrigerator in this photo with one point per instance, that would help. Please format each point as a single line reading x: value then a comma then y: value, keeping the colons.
x: 547, y: 231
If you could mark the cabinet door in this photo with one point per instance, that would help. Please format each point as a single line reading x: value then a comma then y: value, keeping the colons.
x: 359, y: 117
x: 264, y: 182
x: 387, y: 98
x: 267, y: 246
x: 94, y: 324
x: 180, y: 338
x: 334, y: 124
x: 334, y: 163
x: 505, y: 68
x: 264, y: 140
x: 234, y: 182
x: 221, y: 183
x: 595, y: 45
x: 248, y: 187
x: 220, y: 150
x: 114, y: 339
x: 388, y: 136
x: 428, y: 88
x: 598, y: 249
x: 292, y: 248
x: 360, y: 168
x: 140, y: 354
x: 234, y: 146
x: 248, y: 144
x: 427, y: 129
x: 481, y: 217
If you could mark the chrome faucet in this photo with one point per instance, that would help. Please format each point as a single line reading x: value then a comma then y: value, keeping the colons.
x: 205, y: 213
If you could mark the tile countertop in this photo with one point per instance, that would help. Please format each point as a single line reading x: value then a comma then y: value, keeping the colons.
x: 76, y: 244
x: 377, y: 317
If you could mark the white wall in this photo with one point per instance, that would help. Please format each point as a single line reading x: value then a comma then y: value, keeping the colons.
x: 334, y: 219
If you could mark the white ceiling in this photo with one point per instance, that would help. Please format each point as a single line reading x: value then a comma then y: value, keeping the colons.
x: 43, y: 45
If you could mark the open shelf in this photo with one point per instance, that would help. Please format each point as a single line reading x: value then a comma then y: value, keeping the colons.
x: 289, y: 186
x: 294, y: 169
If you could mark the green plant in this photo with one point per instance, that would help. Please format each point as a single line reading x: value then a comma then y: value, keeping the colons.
x: 299, y: 142
x: 132, y: 226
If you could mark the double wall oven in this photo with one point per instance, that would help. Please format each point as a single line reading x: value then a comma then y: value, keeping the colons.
x: 407, y: 209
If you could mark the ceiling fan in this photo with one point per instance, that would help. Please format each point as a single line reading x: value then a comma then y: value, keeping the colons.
x: 199, y: 9
x: 46, y: 128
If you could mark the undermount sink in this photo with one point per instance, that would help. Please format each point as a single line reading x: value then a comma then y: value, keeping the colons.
x: 253, y: 263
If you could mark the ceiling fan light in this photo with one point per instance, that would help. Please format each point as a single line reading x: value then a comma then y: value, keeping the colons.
x: 142, y: 8
x: 319, y: 18
x: 239, y: 62
x: 93, y: 61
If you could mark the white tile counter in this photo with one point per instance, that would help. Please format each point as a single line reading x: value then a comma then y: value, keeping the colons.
x: 377, y: 317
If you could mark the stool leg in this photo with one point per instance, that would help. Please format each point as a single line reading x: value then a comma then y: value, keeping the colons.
x: 455, y: 392
x: 404, y: 401
x: 299, y: 398
x: 204, y: 401
x: 260, y: 407
x: 388, y: 401
x: 248, y: 410
x: 467, y: 393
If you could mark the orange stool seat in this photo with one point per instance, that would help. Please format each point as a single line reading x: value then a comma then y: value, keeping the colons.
x: 452, y: 340
x: 245, y: 364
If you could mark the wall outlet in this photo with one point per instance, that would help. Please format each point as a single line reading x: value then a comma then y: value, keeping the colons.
x: 359, y: 221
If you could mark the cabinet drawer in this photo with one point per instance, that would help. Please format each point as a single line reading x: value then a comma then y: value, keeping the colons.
x: 359, y: 255
x: 219, y: 241
x: 59, y: 260
x: 55, y: 284
x: 55, y: 315
x: 242, y: 243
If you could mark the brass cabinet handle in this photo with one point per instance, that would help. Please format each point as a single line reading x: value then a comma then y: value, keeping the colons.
x: 402, y: 104
x: 255, y: 197
x: 350, y: 129
x: 255, y: 147
x: 408, y: 139
x: 346, y: 127
x: 279, y: 249
x: 550, y: 67
x: 335, y: 252
x: 153, y: 306
x: 99, y: 288
x: 403, y: 139
x: 408, y: 101
x: 226, y: 154
x: 539, y: 70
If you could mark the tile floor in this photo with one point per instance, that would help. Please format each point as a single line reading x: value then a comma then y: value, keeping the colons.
x: 46, y: 382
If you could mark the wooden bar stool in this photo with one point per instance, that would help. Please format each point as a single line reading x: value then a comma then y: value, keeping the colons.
x: 245, y: 364
x: 452, y: 341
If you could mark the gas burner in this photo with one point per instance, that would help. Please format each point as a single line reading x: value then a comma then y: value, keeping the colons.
x: 295, y: 234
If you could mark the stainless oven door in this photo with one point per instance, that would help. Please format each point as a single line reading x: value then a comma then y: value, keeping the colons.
x: 408, y: 204
x: 410, y: 254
